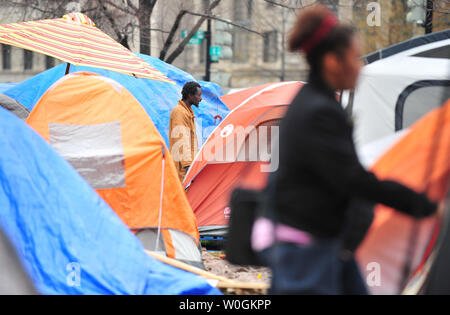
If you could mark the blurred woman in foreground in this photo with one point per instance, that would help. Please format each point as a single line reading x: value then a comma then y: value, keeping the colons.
x: 319, y: 194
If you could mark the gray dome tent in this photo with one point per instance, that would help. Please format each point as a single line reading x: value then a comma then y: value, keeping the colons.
x: 14, y: 107
x: 399, y: 85
x: 13, y: 279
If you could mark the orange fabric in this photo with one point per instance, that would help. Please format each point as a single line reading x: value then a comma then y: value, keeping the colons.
x: 273, y: 94
x: 210, y: 198
x: 210, y: 183
x: 168, y: 243
x: 89, y: 99
x: 244, y: 116
x: 407, y: 162
x: 234, y: 99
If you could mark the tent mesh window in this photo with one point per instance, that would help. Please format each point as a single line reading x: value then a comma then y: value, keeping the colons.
x: 95, y: 151
x: 440, y: 52
x: 418, y: 100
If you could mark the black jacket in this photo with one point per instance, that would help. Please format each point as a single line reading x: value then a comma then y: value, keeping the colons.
x: 319, y: 172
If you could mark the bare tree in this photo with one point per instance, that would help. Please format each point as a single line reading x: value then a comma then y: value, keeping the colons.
x: 111, y: 21
x: 178, y: 50
x: 143, y: 12
x: 122, y: 18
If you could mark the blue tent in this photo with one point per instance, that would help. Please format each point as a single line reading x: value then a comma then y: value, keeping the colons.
x: 68, y: 240
x: 6, y: 86
x: 157, y: 98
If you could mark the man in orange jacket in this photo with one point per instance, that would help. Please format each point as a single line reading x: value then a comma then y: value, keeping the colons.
x: 182, y: 131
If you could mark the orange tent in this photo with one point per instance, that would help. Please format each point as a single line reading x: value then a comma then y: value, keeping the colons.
x: 238, y: 152
x: 421, y: 160
x: 235, y: 99
x: 104, y: 132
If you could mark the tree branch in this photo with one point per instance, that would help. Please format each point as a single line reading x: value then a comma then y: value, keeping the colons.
x: 177, y: 52
x: 123, y: 38
x: 214, y: 17
x: 173, y: 32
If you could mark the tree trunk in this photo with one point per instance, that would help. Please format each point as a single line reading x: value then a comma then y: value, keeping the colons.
x: 145, y: 13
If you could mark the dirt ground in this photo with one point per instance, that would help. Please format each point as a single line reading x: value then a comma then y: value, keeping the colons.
x: 215, y: 264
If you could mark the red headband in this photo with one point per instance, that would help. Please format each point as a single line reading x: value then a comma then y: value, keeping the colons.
x: 325, y: 28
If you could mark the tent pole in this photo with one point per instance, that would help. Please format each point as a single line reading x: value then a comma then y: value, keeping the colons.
x: 67, y: 69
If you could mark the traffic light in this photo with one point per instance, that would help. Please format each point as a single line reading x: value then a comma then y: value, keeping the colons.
x: 417, y: 12
x: 223, y: 37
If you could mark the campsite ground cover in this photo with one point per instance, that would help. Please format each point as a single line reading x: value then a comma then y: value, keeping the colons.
x: 215, y: 264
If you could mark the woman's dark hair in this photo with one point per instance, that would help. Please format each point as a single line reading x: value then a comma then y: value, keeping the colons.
x: 308, y: 24
x: 190, y: 88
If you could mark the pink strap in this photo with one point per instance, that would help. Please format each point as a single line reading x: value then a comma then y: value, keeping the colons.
x: 325, y: 28
x: 263, y: 235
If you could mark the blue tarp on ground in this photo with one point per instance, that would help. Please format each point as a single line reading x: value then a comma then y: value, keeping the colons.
x: 158, y: 98
x: 68, y: 239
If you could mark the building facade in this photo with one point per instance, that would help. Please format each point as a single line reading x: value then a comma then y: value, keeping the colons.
x: 257, y: 57
x: 252, y: 54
